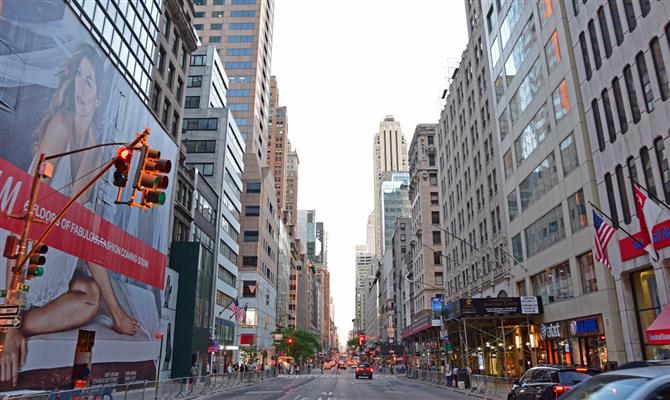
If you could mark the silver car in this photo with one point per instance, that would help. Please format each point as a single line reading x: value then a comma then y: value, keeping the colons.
x: 647, y: 383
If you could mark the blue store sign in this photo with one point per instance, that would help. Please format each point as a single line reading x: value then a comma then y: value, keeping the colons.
x: 585, y: 327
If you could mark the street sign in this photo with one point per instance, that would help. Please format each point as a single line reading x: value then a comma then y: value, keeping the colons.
x: 9, y: 310
x: 10, y: 322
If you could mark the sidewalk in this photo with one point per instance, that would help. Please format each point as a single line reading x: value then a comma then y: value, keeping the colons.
x: 481, y: 390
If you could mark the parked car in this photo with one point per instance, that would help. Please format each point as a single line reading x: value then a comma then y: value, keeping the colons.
x: 364, y: 370
x: 645, y: 383
x: 548, y: 382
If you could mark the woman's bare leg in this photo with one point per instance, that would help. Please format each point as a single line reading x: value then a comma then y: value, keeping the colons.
x: 72, y: 309
x: 122, y: 322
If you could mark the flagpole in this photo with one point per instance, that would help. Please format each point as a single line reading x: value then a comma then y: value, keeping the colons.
x: 617, y: 225
x: 656, y: 199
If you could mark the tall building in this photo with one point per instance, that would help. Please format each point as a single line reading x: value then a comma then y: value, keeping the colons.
x: 307, y: 233
x: 363, y: 270
x: 400, y: 243
x: 291, y: 196
x: 244, y: 42
x: 278, y: 145
x: 370, y: 233
x: 176, y: 41
x: 621, y: 53
x: 547, y: 177
x: 390, y: 155
x: 394, y: 203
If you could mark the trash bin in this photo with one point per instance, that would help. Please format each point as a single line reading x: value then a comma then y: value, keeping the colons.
x: 463, y: 379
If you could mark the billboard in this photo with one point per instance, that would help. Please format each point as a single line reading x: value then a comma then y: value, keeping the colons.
x: 168, y: 317
x: 97, y: 308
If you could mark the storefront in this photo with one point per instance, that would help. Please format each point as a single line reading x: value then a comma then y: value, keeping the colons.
x: 647, y: 309
x: 573, y: 342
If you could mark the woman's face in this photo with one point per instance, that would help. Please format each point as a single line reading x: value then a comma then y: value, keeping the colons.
x: 86, y: 98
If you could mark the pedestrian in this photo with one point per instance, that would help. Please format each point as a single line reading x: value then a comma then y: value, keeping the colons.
x: 447, y: 374
x: 454, y: 376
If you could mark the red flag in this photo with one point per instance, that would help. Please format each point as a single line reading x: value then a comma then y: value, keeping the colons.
x: 647, y: 213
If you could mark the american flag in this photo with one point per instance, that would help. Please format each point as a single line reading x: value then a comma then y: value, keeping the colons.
x: 604, y: 233
x: 238, y: 312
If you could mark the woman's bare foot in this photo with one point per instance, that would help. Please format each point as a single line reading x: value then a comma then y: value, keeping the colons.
x: 124, y: 324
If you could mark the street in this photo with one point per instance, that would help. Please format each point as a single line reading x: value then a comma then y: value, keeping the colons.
x: 342, y: 386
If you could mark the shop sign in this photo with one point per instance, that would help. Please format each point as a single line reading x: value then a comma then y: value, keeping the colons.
x: 494, y: 306
x: 630, y: 248
x: 550, y: 331
x: 529, y: 305
x: 584, y: 327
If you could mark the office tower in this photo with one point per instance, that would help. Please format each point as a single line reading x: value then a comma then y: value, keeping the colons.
x: 291, y: 195
x: 621, y: 54
x: 394, y: 203
x: 397, y: 278
x: 370, y: 233
x: 390, y: 155
x: 363, y: 262
x: 426, y: 250
x: 547, y: 175
x: 278, y: 145
x: 241, y: 30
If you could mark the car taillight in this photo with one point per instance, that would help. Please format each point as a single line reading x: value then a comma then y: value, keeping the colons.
x: 369, y: 369
x: 581, y: 369
x: 359, y: 369
x: 560, y: 389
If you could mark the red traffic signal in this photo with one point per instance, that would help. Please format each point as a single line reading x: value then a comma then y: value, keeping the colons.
x: 361, y: 340
x: 36, y: 260
x: 151, y: 177
x: 122, y: 165
x: 289, y: 340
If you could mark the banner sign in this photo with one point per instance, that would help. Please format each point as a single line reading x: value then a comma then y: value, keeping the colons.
x: 493, y: 307
x: 630, y: 249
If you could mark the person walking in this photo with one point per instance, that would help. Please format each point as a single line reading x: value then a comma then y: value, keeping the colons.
x: 454, y: 376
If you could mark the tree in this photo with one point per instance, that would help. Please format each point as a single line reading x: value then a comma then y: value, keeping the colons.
x: 352, y: 343
x: 304, y: 344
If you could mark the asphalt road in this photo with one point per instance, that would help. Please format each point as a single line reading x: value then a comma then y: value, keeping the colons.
x: 342, y: 386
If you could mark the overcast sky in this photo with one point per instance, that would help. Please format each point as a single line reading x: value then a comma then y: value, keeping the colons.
x: 341, y: 67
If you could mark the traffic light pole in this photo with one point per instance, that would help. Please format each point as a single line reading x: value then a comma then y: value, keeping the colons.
x: 18, y: 275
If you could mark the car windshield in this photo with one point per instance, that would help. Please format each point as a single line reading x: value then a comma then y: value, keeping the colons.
x: 572, y: 377
x: 362, y: 365
x: 602, y: 387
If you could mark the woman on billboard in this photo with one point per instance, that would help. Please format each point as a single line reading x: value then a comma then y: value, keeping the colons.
x: 68, y: 295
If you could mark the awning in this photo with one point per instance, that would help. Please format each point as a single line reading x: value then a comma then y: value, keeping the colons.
x: 247, y: 339
x: 659, y: 330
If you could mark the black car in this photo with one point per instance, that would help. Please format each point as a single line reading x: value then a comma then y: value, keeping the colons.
x: 549, y: 382
x: 364, y: 370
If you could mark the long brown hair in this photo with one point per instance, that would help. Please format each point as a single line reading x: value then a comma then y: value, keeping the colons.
x: 63, y: 99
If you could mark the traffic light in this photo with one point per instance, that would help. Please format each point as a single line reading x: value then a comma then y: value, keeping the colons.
x: 37, y: 259
x: 122, y: 165
x: 151, y: 176
x: 361, y: 340
x: 11, y: 249
x: 289, y: 341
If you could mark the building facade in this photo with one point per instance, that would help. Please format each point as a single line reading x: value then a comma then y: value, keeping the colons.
x: 291, y: 195
x: 363, y: 269
x: 621, y: 53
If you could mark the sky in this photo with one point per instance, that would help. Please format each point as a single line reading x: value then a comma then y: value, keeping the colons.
x: 341, y: 67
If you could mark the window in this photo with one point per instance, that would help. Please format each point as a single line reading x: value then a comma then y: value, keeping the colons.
x: 199, y: 14
x: 647, y: 92
x: 577, y: 210
x: 618, y: 101
x: 200, y: 2
x: 495, y: 51
x: 252, y: 211
x: 437, y: 237
x: 434, y: 198
x: 198, y: 27
x: 201, y: 124
x: 510, y: 20
x: 250, y: 261
x: 223, y: 299
x: 605, y: 32
x: 239, y: 52
x: 161, y: 60
x: 561, y: 101
x: 503, y: 124
x: 253, y: 187
x: 553, y: 52
x: 599, y: 127
x: 521, y: 288
x: 545, y: 232
x: 206, y: 169
x: 623, y: 193
x: 632, y: 95
x: 249, y: 288
x: 200, y: 146
x: 227, y: 276
x: 630, y: 14
x: 531, y: 137
x: 521, y: 48
x: 244, y: 1
x: 645, y: 7
x: 594, y: 45
x: 646, y: 169
x: 251, y: 236
x: 569, y: 158
x: 588, y: 273
x: 194, y: 81
x: 437, y: 257
x: 198, y: 61
x: 585, y: 55
x: 431, y: 160
x: 508, y: 164
x: 546, y: 10
x: 166, y: 111
x: 241, y: 39
x: 540, y: 181
x: 512, y: 205
x: 238, y: 93
x: 527, y: 89
x: 175, y: 124
x: 227, y: 252
x: 243, y: 13
x: 435, y: 217
x: 242, y: 26
x: 156, y: 98
x: 500, y: 89
x: 238, y: 65
x: 192, y: 102
x: 609, y: 117
x: 616, y: 21
x: 664, y: 169
x: 614, y: 213
x: 238, y: 106
x: 659, y: 68
x: 553, y: 284
x: 517, y: 250
x: 432, y: 178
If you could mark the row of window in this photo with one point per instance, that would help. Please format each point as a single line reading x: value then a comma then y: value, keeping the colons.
x: 222, y: 2
x: 648, y: 96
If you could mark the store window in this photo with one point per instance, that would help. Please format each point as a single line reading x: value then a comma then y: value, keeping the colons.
x: 588, y: 273
x: 647, y: 307
x: 553, y: 284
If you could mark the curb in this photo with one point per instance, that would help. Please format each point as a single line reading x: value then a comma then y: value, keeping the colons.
x: 463, y: 392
